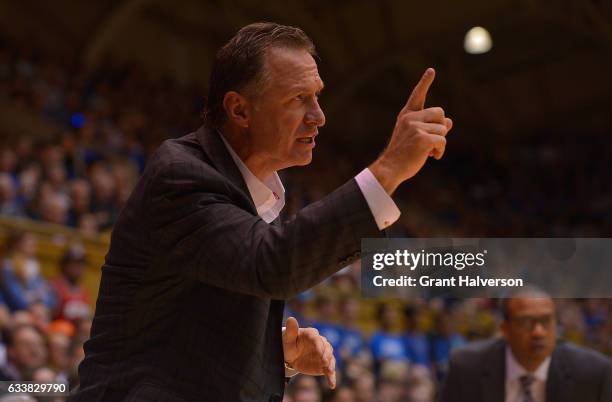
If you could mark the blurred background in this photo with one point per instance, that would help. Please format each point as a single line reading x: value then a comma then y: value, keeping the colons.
x: 88, y: 90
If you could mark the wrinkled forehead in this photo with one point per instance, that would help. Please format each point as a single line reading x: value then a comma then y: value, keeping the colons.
x: 291, y: 68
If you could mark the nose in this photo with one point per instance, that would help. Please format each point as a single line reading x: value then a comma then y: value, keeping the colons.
x: 538, y: 330
x: 315, y: 115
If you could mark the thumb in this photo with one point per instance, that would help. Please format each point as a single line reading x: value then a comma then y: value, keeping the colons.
x: 291, y: 330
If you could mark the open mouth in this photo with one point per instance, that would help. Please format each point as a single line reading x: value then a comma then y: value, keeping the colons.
x: 306, y: 140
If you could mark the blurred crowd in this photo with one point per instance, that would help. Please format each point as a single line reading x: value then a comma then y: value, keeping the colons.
x: 113, y: 117
x: 43, y: 322
x: 386, y: 350
x: 81, y: 176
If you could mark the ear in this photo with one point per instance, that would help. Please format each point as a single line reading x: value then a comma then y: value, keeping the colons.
x: 237, y: 109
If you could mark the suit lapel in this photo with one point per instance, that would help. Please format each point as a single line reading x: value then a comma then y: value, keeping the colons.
x: 215, y: 149
x: 559, y: 381
x: 493, y: 380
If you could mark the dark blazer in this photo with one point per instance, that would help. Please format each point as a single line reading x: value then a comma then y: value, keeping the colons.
x: 477, y: 373
x: 191, y: 297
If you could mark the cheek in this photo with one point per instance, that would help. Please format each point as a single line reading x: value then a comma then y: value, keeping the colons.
x: 292, y: 121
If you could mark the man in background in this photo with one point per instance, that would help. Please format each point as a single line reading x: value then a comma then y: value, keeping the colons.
x: 529, y: 364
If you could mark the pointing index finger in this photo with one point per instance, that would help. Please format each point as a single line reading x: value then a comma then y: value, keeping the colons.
x: 416, y: 101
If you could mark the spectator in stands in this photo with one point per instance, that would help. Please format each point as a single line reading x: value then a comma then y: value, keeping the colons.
x: 104, y: 197
x: 125, y: 176
x: 49, y: 153
x: 528, y: 364
x: 417, y: 341
x: 59, y: 360
x: 24, y: 152
x: 8, y: 162
x: 41, y: 314
x: 304, y: 389
x: 80, y: 201
x: 296, y: 308
x: 9, y: 202
x: 421, y: 387
x: 54, y: 208
x: 21, y: 282
x: 73, y: 161
x: 55, y: 178
x: 393, y: 381
x: 326, y: 308
x: 343, y: 394
x: 29, y: 179
x: 26, y: 352
x: 444, y: 339
x: 88, y: 225
x: 365, y: 388
x: 72, y: 300
x: 386, y: 344
x: 352, y: 344
x: 44, y: 375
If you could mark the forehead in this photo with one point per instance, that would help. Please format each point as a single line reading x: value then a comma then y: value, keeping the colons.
x: 292, y: 68
x: 531, y: 306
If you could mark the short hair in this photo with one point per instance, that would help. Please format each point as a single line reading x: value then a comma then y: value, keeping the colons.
x: 525, y: 291
x: 239, y: 64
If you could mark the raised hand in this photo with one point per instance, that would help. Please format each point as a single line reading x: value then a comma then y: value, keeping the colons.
x: 418, y: 134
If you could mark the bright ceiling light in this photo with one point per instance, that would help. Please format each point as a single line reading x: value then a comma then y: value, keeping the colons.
x: 477, y: 41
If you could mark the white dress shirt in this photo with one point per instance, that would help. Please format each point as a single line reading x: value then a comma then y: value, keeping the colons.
x: 514, y: 371
x: 269, y: 195
x: 269, y: 199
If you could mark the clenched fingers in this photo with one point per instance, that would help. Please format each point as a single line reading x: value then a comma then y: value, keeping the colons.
x: 329, y: 361
x: 429, y: 115
x: 437, y: 144
x: 433, y: 128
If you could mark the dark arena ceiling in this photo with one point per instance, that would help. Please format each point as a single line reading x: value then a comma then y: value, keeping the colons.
x: 550, y: 60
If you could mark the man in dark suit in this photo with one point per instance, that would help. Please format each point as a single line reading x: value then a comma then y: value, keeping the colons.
x: 529, y: 365
x: 191, y: 297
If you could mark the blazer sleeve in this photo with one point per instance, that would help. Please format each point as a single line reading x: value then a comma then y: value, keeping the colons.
x: 450, y: 390
x: 606, y: 384
x: 199, y: 228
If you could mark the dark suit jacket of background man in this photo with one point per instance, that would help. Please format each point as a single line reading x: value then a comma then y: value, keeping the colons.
x: 191, y: 297
x: 477, y: 373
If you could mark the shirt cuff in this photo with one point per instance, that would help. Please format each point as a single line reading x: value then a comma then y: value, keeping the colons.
x: 381, y: 205
x: 290, y: 372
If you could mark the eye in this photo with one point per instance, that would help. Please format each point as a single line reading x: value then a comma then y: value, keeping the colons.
x: 300, y: 97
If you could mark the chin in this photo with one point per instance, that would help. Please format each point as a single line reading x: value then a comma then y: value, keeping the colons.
x: 303, y: 161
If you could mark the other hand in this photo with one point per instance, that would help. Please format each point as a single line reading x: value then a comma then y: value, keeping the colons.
x: 308, y: 352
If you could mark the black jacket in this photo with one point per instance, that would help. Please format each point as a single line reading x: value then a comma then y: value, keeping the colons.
x: 477, y: 373
x: 191, y: 297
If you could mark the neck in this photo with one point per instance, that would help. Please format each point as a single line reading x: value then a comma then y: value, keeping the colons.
x: 530, y: 365
x: 241, y: 143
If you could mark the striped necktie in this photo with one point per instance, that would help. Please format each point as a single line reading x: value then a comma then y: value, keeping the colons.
x: 526, y: 381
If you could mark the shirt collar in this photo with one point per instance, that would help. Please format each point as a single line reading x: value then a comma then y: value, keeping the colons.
x: 267, y: 195
x: 514, y: 370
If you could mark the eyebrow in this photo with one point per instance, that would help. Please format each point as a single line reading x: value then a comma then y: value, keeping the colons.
x: 303, y: 88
